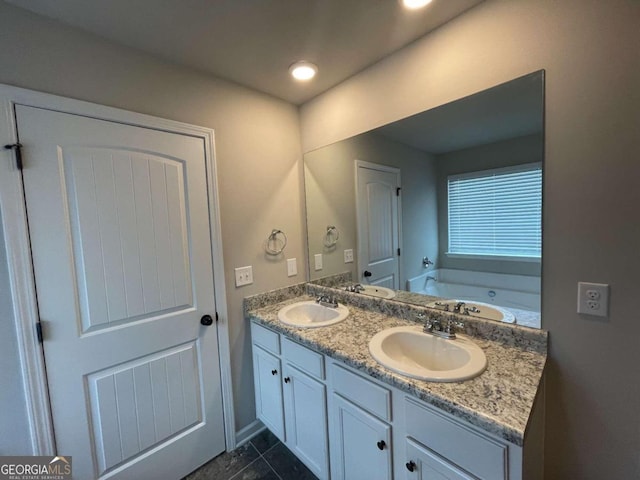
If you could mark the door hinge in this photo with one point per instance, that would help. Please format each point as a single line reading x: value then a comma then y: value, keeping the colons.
x: 18, y: 149
x: 398, y: 191
x: 398, y: 252
x: 39, y: 331
x: 217, y: 318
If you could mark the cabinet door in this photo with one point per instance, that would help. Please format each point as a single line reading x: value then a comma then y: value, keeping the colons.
x: 361, y: 448
x: 423, y: 464
x: 306, y: 420
x: 267, y: 378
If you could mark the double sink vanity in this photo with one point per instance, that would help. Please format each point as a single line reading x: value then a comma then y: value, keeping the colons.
x: 363, y: 387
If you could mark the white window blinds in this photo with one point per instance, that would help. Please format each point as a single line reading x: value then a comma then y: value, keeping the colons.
x: 496, y: 212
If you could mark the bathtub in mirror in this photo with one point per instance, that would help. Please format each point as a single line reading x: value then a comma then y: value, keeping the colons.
x: 446, y: 203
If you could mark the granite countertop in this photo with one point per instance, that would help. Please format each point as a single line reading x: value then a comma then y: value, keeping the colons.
x: 499, y: 401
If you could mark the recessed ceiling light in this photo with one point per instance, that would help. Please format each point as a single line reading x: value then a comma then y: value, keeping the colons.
x: 415, y: 4
x: 303, y: 70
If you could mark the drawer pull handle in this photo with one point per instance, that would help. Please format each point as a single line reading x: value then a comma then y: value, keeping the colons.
x: 381, y: 444
x: 287, y: 379
x: 274, y: 372
x: 411, y: 465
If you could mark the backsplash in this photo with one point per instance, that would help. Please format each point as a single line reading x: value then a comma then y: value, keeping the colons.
x: 509, y: 335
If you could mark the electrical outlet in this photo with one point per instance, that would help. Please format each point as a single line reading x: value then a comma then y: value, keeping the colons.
x: 318, y: 261
x: 348, y: 256
x: 244, y: 276
x: 593, y: 294
x: 292, y: 267
x: 593, y: 298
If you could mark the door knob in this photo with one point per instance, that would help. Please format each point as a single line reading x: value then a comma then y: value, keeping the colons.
x: 367, y: 273
x: 206, y: 320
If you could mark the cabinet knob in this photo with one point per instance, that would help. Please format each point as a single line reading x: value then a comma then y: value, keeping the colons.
x: 411, y: 465
x: 367, y: 273
x: 287, y: 379
x: 381, y: 444
x: 274, y: 372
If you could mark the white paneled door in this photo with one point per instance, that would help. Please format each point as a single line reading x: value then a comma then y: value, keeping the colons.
x: 119, y: 225
x: 377, y: 206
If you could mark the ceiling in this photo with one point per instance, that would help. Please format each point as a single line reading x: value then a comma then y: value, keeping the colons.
x: 253, y: 42
x: 513, y: 109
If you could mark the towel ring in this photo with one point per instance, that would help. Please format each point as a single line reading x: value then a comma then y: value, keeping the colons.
x: 276, y: 242
x: 331, y: 237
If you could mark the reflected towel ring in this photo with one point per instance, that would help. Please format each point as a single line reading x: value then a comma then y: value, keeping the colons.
x: 331, y: 237
x: 276, y: 242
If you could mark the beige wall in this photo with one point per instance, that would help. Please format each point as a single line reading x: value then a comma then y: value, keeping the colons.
x: 331, y: 200
x: 589, y: 50
x: 257, y: 147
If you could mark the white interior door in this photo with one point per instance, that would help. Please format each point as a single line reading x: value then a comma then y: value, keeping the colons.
x: 377, y: 206
x: 121, y: 248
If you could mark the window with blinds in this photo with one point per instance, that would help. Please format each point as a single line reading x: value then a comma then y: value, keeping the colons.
x: 496, y: 212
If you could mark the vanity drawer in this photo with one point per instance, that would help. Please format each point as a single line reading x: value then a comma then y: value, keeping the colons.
x: 364, y: 393
x: 267, y: 339
x: 477, y: 454
x: 303, y: 358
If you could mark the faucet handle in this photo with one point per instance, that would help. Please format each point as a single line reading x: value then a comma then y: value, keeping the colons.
x: 452, y: 324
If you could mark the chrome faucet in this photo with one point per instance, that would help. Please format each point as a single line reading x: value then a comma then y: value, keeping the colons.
x: 327, y: 301
x: 446, y: 330
x: 459, y: 306
x: 357, y: 288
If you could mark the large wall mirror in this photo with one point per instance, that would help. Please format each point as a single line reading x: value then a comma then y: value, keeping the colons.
x: 439, y: 208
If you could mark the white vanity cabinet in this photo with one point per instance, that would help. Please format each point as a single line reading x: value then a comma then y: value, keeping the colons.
x: 360, y: 412
x: 345, y: 425
x: 267, y: 377
x: 436, y: 443
x: 423, y: 464
x: 291, y: 401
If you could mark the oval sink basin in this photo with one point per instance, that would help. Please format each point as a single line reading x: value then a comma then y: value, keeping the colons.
x: 380, y: 292
x: 484, y: 310
x: 309, y: 314
x: 411, y: 352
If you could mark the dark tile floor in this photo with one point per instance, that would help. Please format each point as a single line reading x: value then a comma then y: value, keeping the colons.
x: 264, y: 457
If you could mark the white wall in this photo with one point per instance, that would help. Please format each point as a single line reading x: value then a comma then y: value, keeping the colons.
x: 257, y: 149
x: 591, y: 227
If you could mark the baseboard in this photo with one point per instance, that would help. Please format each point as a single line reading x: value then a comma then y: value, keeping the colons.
x: 248, y: 432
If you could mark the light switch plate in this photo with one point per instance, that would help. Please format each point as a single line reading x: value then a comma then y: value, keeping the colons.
x: 244, y: 276
x: 318, y: 261
x: 593, y: 299
x: 348, y: 255
x: 292, y: 267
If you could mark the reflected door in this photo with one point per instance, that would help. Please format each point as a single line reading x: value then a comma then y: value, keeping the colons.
x: 378, y: 215
x: 121, y: 246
